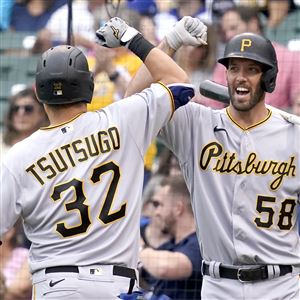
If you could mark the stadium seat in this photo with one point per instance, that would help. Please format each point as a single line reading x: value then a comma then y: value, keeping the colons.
x: 16, y: 70
x: 16, y: 42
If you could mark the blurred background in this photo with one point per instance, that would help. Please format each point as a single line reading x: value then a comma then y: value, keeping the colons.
x: 29, y: 27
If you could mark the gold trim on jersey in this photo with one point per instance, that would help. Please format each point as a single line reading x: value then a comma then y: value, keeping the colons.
x: 171, y: 99
x: 61, y: 124
x: 252, y: 126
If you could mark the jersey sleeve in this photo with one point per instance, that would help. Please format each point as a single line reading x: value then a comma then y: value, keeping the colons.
x: 176, y: 133
x: 147, y: 113
x: 10, y: 208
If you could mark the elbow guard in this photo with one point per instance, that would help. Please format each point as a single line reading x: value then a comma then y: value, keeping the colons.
x: 182, y: 93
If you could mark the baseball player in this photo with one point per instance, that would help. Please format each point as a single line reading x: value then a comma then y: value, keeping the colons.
x: 242, y: 167
x: 77, y: 184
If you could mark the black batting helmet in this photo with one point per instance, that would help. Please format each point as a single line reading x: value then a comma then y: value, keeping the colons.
x: 63, y: 76
x: 257, y: 48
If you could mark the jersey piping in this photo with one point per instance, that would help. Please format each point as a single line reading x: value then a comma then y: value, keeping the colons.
x: 171, y: 99
x: 61, y: 124
x: 252, y: 126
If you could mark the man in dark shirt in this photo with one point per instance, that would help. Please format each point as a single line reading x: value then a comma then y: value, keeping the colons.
x: 176, y: 264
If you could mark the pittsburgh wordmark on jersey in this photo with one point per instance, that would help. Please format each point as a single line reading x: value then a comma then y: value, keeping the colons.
x: 213, y: 154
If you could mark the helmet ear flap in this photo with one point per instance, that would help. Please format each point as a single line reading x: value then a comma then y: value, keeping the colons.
x: 268, y: 81
x: 91, y: 85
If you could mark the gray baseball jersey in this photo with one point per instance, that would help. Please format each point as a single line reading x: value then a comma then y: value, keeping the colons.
x: 244, y: 184
x: 78, y: 185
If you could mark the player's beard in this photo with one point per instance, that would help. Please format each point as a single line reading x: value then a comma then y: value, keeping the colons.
x: 255, y: 97
x: 168, y: 225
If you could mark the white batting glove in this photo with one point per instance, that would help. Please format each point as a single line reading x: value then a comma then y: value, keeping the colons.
x: 188, y: 31
x: 115, y: 33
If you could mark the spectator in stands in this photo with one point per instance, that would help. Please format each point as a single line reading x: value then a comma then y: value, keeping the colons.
x: 245, y: 19
x: 25, y: 115
x: 177, y: 264
x: 151, y: 230
x: 14, y: 266
x: 84, y: 25
x: 5, y: 13
x: 2, y: 286
x: 218, y: 7
x: 32, y: 15
x: 153, y: 234
x: 114, y: 68
x: 166, y: 165
x: 277, y: 12
x: 261, y: 5
x: 178, y: 9
x: 148, y: 28
x: 143, y: 7
x: 146, y: 10
x: 282, y: 24
x: 111, y: 79
x: 199, y: 62
x: 194, y: 8
x: 296, y: 105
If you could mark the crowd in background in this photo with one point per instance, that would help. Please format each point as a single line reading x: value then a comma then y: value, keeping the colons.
x: 278, y: 20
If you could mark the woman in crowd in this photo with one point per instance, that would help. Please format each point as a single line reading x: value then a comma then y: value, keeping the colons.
x: 25, y: 115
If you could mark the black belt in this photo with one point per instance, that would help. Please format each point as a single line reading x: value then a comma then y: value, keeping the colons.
x: 63, y: 269
x: 246, y: 274
x: 117, y: 270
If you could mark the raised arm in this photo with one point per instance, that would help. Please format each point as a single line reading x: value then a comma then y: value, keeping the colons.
x: 143, y: 78
x: 163, y: 68
x: 116, y: 33
x: 188, y: 31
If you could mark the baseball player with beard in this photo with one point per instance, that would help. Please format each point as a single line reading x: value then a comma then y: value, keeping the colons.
x: 77, y: 184
x: 242, y: 167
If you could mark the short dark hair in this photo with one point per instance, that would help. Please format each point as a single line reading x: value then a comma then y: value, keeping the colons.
x: 178, y: 187
x: 247, y: 14
x: 177, y: 184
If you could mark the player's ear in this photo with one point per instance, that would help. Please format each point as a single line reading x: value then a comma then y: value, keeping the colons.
x: 178, y: 207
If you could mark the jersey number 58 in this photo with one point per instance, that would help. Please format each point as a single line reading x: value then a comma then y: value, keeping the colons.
x: 284, y: 221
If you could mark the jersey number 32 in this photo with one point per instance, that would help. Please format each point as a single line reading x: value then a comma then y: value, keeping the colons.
x: 105, y: 215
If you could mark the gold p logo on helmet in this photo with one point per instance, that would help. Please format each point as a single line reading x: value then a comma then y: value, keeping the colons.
x: 245, y: 43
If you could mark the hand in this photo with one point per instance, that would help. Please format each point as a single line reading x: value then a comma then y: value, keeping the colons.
x: 187, y: 31
x: 115, y: 33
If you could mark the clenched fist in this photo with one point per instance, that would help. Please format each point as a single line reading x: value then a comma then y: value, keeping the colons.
x: 188, y: 31
x: 115, y: 33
